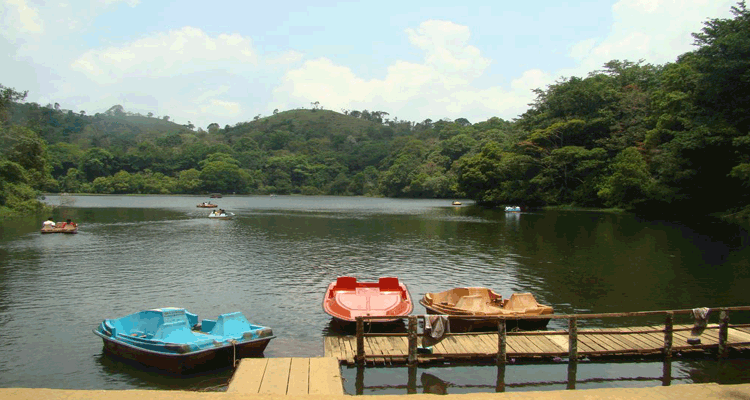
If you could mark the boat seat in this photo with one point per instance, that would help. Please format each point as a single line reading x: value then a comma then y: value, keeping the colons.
x: 230, y: 324
x: 471, y: 303
x: 455, y: 295
x: 175, y: 332
x: 346, y: 283
x: 389, y: 284
x: 521, y: 302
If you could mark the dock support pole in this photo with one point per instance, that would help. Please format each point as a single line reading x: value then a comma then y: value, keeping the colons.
x: 412, y: 357
x: 572, y: 352
x: 501, y: 342
x: 723, y: 333
x: 360, y: 358
x: 668, y: 332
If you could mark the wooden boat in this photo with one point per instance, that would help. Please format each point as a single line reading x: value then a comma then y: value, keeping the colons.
x: 172, y: 339
x: 216, y: 195
x: 223, y: 215
x: 346, y: 299
x: 456, y: 203
x: 480, y: 301
x: 61, y: 227
x: 207, y: 205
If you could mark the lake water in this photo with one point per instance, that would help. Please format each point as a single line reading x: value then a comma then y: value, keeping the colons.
x: 274, y: 260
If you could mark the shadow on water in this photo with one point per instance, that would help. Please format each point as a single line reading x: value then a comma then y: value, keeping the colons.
x: 343, y: 328
x: 122, y: 370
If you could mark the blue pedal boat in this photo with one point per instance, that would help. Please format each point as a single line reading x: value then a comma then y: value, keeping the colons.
x: 173, y: 340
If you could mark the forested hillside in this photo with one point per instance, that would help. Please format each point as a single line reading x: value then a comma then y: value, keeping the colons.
x: 631, y: 135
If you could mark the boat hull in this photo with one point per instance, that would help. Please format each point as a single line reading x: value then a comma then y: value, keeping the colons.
x: 473, y: 324
x: 189, y: 363
x: 59, y: 230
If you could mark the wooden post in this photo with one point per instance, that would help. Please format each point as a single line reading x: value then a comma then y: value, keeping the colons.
x: 723, y: 333
x: 412, y: 357
x: 572, y: 353
x: 572, y: 340
x: 668, y: 332
x: 501, y: 342
x: 360, y: 357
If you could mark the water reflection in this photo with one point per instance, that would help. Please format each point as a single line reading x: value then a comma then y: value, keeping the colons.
x: 342, y: 328
x: 457, y: 378
x: 140, y: 376
x: 433, y: 384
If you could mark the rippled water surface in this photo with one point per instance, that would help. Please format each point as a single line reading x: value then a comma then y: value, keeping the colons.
x: 275, y: 259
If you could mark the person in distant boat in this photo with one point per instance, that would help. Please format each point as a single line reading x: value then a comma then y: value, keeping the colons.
x: 69, y: 222
x: 49, y: 223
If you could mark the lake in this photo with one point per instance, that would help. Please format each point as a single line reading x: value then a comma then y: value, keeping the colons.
x: 274, y: 260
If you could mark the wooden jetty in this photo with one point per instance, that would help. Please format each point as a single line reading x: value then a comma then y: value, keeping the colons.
x: 398, y: 348
x: 287, y: 376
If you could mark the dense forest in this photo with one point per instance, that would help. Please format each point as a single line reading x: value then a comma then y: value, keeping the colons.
x: 632, y: 136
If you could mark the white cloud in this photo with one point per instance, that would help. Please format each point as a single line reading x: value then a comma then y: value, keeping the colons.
x: 656, y: 31
x: 286, y: 58
x: 221, y: 108
x: 18, y: 16
x: 446, y: 49
x: 184, y: 51
x: 438, y: 87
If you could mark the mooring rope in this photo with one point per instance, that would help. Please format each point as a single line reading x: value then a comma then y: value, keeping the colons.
x: 234, y: 352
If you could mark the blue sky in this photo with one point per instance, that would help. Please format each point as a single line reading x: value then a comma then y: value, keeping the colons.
x: 229, y: 61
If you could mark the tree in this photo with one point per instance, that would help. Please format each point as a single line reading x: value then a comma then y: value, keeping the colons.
x: 629, y: 182
x: 462, y: 122
x: 25, y: 147
x: 115, y: 111
x: 97, y: 162
x: 221, y: 173
x: 213, y: 128
x: 723, y: 59
x: 189, y: 181
x: 9, y: 96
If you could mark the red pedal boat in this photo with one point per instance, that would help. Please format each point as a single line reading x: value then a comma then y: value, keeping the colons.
x: 346, y: 299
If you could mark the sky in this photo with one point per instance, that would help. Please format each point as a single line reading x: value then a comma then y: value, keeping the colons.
x: 227, y: 62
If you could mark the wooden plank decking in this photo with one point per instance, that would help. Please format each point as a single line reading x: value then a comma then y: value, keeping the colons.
x: 287, y: 376
x: 384, y: 350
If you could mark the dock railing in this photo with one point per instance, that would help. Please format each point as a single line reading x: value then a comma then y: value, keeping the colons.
x: 502, y: 332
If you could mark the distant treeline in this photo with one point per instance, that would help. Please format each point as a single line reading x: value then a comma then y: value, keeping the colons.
x: 631, y: 136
